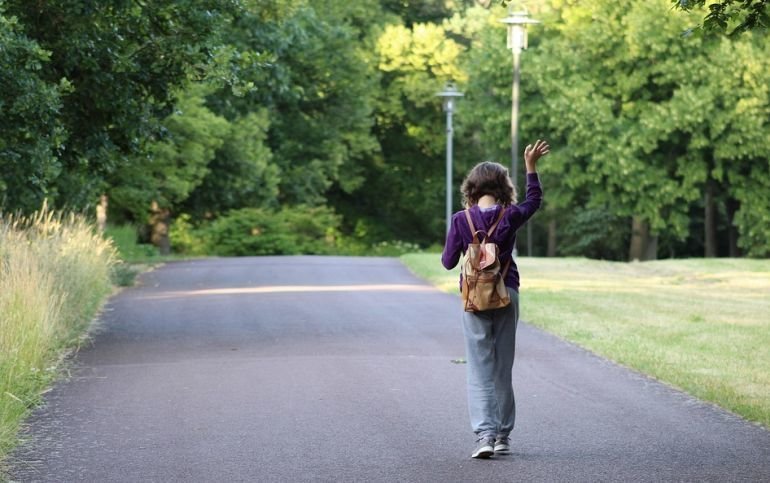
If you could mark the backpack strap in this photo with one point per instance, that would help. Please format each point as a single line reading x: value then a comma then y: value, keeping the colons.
x: 470, y: 225
x: 506, y: 267
x: 494, y: 225
x: 488, y: 233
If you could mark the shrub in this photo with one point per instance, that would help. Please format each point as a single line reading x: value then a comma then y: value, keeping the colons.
x: 185, y: 238
x: 393, y: 248
x: 595, y: 233
x: 289, y: 231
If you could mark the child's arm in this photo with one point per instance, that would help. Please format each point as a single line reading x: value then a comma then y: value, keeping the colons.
x: 453, y: 247
x: 532, y: 153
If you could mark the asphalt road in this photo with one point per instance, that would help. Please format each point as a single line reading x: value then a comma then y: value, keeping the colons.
x: 340, y: 369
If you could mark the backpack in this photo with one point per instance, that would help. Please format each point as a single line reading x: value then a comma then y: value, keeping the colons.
x: 483, y: 286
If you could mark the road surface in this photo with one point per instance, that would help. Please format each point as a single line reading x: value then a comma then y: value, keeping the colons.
x: 340, y: 369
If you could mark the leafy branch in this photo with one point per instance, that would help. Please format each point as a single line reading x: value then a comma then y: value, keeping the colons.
x: 743, y: 15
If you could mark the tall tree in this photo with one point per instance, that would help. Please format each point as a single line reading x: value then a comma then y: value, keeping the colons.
x: 30, y: 131
x: 651, y: 124
x: 415, y: 63
x: 175, y: 165
x: 646, y: 119
x: 241, y: 173
x: 121, y: 61
x: 316, y: 84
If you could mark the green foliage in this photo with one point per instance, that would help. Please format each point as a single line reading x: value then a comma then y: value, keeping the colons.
x: 186, y: 238
x: 614, y: 152
x: 30, y: 131
x: 175, y: 165
x: 738, y: 15
x: 488, y: 91
x: 415, y: 63
x: 207, y: 107
x: 316, y: 85
x: 594, y: 233
x: 425, y: 11
x: 195, y: 134
x: 124, y: 274
x: 289, y: 231
x: 639, y: 118
x: 393, y: 249
x: 753, y: 218
x: 118, y: 64
x: 328, y: 125
x: 125, y: 238
x: 242, y: 171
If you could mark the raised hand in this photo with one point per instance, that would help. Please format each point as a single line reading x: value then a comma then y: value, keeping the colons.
x: 534, y: 152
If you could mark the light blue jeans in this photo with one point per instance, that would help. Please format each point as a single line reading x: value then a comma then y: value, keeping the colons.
x: 490, y: 345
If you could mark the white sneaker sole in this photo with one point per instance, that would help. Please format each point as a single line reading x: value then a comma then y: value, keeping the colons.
x: 483, y: 453
x: 503, y: 449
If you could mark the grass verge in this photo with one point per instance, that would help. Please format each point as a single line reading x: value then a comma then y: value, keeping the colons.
x: 701, y: 325
x: 55, y: 273
x: 135, y: 257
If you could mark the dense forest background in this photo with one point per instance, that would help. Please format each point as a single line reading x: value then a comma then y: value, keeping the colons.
x: 312, y: 126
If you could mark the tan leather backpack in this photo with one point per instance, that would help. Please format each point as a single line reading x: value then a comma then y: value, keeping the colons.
x: 483, y: 286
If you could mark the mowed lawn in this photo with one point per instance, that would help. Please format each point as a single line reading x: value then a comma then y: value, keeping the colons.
x: 700, y: 325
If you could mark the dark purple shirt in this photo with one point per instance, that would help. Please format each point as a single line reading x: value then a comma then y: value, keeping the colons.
x: 460, y: 236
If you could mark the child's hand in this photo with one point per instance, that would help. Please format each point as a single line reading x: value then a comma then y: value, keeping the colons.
x: 533, y: 153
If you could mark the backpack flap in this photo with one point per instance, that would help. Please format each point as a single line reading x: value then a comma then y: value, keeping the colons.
x: 487, y: 255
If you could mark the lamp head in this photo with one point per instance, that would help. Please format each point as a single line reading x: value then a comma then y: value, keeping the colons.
x: 449, y: 94
x: 517, y: 29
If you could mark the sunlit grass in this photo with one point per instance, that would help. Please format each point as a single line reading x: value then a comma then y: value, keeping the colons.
x: 700, y: 325
x: 124, y: 238
x: 54, y: 275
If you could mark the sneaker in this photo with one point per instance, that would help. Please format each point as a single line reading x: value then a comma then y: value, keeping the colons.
x: 485, y: 448
x: 502, y: 445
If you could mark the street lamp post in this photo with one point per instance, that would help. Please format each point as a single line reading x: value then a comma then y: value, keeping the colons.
x: 449, y: 94
x: 517, y: 41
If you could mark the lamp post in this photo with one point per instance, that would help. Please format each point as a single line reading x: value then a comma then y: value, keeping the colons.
x: 517, y: 41
x: 449, y: 94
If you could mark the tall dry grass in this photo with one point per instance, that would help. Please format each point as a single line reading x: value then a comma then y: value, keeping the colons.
x: 54, y: 275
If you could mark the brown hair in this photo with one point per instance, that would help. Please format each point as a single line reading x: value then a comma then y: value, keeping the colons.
x: 488, y: 178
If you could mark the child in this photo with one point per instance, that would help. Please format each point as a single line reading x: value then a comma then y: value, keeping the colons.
x: 490, y: 336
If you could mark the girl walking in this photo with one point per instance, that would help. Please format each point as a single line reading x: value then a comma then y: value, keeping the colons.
x: 490, y: 335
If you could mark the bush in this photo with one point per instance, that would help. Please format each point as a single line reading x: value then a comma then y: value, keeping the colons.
x: 185, y: 238
x: 595, y: 233
x: 289, y: 231
x: 393, y: 248
x: 298, y: 230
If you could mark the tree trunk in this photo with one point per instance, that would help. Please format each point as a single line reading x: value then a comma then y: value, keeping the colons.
x: 643, y: 245
x: 160, y: 219
x: 551, y: 239
x: 101, y: 213
x: 651, y: 250
x: 638, y: 236
x: 731, y: 207
x: 710, y: 225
